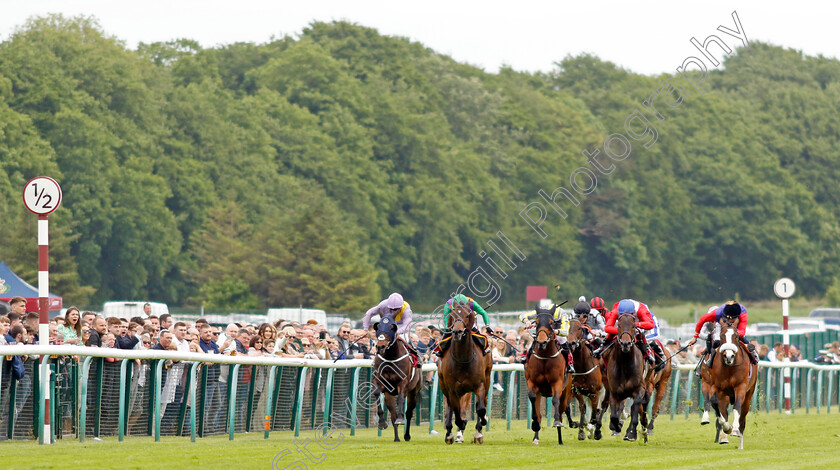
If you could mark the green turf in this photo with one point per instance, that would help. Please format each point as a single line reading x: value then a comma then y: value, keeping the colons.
x: 772, y: 441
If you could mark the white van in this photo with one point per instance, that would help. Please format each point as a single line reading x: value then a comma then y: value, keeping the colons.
x: 300, y: 315
x: 132, y: 308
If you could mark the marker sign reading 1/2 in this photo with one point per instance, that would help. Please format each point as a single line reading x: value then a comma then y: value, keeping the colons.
x: 42, y: 195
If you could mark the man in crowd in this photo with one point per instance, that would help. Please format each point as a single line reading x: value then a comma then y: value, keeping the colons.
x: 180, y: 332
x: 97, y: 331
x: 165, y: 321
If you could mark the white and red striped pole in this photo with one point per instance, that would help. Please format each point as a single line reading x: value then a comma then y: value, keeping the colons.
x: 786, y: 340
x: 784, y: 289
x: 44, y: 316
x: 42, y: 196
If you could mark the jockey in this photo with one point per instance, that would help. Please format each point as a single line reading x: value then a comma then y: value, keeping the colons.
x: 644, y: 322
x: 560, y: 333
x: 400, y: 311
x: 730, y: 310
x: 594, y: 319
x: 460, y: 299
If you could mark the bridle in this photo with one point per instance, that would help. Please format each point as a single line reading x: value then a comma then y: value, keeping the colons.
x: 544, y: 327
x: 632, y: 334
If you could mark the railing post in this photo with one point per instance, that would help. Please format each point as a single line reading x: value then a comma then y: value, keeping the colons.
x: 249, y: 411
x: 83, y: 398
x: 689, y: 389
x: 193, y: 387
x: 122, y: 408
x: 511, y: 393
x: 98, y: 397
x: 156, y: 409
x: 354, y: 398
x: 808, y: 380
x: 830, y: 391
x: 10, y: 429
x: 819, y: 389
x: 675, y: 392
x: 433, y: 393
x: 42, y: 411
x: 489, y: 405
x: 182, y: 408
x: 233, y: 380
x: 272, y: 373
x: 328, y: 400
x: 767, y: 394
x: 794, y: 381
x: 202, y: 401
x: 299, y: 399
x: 780, y: 397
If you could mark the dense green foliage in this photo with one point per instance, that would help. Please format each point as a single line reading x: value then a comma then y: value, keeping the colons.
x: 342, y: 165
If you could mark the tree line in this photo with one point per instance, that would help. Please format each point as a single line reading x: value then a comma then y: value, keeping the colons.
x: 336, y: 167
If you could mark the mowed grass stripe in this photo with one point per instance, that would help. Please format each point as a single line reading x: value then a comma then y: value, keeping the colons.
x: 772, y: 441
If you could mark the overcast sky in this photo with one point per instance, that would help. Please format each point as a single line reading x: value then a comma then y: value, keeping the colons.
x: 643, y: 36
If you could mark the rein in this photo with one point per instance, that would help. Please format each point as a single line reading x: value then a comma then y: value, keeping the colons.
x: 587, y: 372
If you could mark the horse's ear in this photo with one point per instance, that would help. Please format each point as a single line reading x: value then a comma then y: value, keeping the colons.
x: 394, y: 327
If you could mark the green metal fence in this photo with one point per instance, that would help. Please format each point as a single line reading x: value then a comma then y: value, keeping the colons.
x: 154, y: 396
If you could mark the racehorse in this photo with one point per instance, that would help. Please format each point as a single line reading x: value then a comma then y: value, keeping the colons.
x: 394, y: 375
x: 587, y: 383
x: 625, y: 368
x: 545, y: 374
x: 733, y: 379
x: 657, y: 382
x: 464, y: 369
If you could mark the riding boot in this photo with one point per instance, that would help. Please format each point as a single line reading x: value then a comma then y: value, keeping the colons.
x: 413, y: 351
x: 753, y: 355
x: 595, y: 344
x: 570, y: 361
x: 712, y: 353
x: 647, y: 352
x: 659, y: 356
x: 597, y: 353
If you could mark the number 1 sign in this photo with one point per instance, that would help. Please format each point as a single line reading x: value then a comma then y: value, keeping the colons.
x: 42, y: 195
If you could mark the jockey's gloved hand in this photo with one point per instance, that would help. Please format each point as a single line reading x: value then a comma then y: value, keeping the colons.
x: 489, y: 330
x: 692, y: 341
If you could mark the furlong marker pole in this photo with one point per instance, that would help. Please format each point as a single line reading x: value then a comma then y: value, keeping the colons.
x: 44, y: 319
x: 786, y: 339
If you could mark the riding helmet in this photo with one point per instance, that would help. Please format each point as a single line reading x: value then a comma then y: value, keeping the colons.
x: 581, y: 308
x: 395, y: 300
x: 626, y: 306
x: 732, y: 309
x: 597, y: 303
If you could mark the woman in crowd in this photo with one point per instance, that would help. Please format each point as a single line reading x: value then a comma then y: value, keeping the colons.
x: 72, y: 327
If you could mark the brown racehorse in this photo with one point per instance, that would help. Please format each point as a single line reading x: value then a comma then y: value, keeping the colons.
x: 587, y: 382
x: 733, y: 379
x: 626, y: 377
x: 657, y: 383
x: 464, y: 369
x: 545, y: 374
x: 394, y: 375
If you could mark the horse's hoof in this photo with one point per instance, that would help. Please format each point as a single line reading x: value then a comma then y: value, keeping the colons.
x: 407, y: 437
x: 396, y: 439
x: 724, y: 439
x: 650, y: 432
x: 735, y: 432
x: 399, y: 422
x: 478, y: 440
x: 614, y: 433
x: 629, y: 438
x: 536, y: 442
x: 573, y: 424
x: 558, y: 424
x: 581, y: 436
x: 459, y: 438
x: 645, y: 439
x: 727, y: 428
x: 383, y: 425
x: 449, y: 439
x: 598, y: 435
x: 704, y: 422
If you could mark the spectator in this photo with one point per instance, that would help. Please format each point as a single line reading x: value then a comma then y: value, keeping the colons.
x: 255, y: 347
x: 794, y: 353
x: 145, y: 341
x: 763, y: 350
x: 88, y: 318
x: 358, y: 350
x: 180, y: 332
x: 243, y: 339
x: 98, y: 328
x: 165, y: 321
x: 18, y: 305
x: 824, y: 357
x: 499, y: 350
x: 17, y: 335
x: 424, y: 344
x: 268, y: 346
x: 109, y: 341
x: 155, y: 321
x: 776, y: 354
x: 226, y: 339
x: 4, y: 329
x: 343, y: 339
x: 30, y: 322
x: 147, y: 310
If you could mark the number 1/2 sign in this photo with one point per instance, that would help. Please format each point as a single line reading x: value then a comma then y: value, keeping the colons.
x: 784, y: 288
x: 42, y: 195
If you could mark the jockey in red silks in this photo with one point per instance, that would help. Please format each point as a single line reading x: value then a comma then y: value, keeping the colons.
x: 730, y: 310
x: 644, y: 321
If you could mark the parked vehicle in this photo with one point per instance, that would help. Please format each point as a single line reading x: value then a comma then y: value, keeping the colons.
x: 301, y: 315
x: 763, y: 328
x: 831, y: 316
x: 132, y: 308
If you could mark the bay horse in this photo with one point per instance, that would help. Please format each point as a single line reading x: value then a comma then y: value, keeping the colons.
x: 545, y: 374
x: 586, y: 384
x: 657, y: 383
x: 626, y: 369
x: 394, y: 375
x: 733, y: 378
x: 464, y: 369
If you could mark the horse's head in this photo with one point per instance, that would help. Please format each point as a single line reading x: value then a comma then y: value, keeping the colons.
x: 461, y: 320
x: 729, y: 340
x: 626, y: 326
x: 386, y: 332
x: 577, y: 335
x: 545, y: 326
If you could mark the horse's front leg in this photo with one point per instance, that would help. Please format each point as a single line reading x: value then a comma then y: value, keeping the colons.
x: 400, y: 406
x: 638, y: 398
x: 448, y: 425
x: 616, y: 407
x: 481, y: 413
x: 535, y: 415
x: 377, y: 399
x: 557, y: 401
x: 391, y: 403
